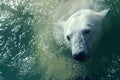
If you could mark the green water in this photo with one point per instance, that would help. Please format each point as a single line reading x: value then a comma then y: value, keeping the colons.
x: 25, y: 32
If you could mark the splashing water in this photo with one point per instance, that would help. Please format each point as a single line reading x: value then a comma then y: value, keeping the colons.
x: 28, y: 50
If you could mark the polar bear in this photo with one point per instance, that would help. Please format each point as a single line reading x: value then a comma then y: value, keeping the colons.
x: 81, y: 31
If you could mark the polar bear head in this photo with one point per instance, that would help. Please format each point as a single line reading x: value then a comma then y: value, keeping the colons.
x: 82, y: 30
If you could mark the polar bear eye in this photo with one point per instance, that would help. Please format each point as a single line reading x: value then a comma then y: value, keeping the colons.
x: 86, y: 31
x: 68, y: 38
x: 90, y: 25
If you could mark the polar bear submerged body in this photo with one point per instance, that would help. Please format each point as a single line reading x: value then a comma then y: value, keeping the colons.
x: 81, y: 31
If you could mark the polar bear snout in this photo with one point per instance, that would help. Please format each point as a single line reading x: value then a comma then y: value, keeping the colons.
x: 81, y: 56
x: 79, y: 47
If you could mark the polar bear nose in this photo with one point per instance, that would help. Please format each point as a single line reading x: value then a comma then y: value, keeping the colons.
x: 80, y: 56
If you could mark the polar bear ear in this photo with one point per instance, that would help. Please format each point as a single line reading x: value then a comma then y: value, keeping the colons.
x: 103, y: 13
